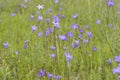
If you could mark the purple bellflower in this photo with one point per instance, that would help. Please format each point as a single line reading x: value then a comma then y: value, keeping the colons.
x: 63, y: 37
x: 6, y: 45
x: 34, y: 28
x: 42, y: 73
x: 74, y: 26
x: 110, y: 3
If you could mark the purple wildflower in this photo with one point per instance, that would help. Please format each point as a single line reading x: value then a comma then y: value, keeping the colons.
x: 110, y: 3
x: 89, y: 34
x: 85, y: 41
x: 48, y: 20
x: 74, y: 26
x: 109, y: 25
x: 41, y: 73
x: 6, y: 45
x: 109, y: 61
x: 60, y: 9
x: 31, y: 17
x: 94, y: 48
x: 63, y: 37
x: 118, y: 12
x: 40, y: 7
x: 65, y: 48
x: 58, y: 15
x: 17, y: 52
x: 87, y: 26
x: 80, y: 36
x: 39, y: 34
x: 53, y: 48
x: 56, y: 25
x: 98, y: 21
x: 70, y: 34
x: 75, y: 16
x: 81, y: 31
x: 52, y: 55
x: 119, y: 78
x: 48, y: 31
x: 50, y: 10
x: 117, y: 58
x: 56, y: 1
x: 116, y: 70
x: 76, y: 43
x: 13, y: 14
x: 49, y: 75
x: 55, y: 19
x: 68, y: 58
x: 56, y: 22
x: 25, y: 46
x: 40, y: 18
x: 57, y: 77
x: 34, y: 28
x: 63, y: 16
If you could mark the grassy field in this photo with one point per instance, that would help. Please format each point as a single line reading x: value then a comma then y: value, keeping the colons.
x: 64, y: 40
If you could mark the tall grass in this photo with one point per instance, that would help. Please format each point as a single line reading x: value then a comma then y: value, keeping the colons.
x: 86, y: 63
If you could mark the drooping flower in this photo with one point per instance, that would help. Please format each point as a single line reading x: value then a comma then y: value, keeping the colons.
x: 85, y: 41
x: 25, y: 46
x: 49, y: 75
x: 74, y: 26
x: 57, y: 77
x: 55, y: 19
x: 81, y: 31
x: 119, y: 78
x: 48, y: 20
x: 70, y: 34
x: 48, y: 31
x: 53, y: 48
x: 89, y: 34
x: 80, y: 36
x: 56, y: 22
x: 94, y: 48
x: 56, y: 1
x: 110, y: 3
x: 56, y: 25
x: 60, y: 8
x: 65, y: 48
x: 52, y: 55
x: 13, y: 14
x: 40, y: 18
x: 109, y: 25
x: 63, y: 16
x: 34, y: 28
x: 40, y: 7
x: 117, y: 58
x: 68, y: 58
x: 39, y: 34
x: 63, y: 37
x: 42, y: 73
x: 109, y: 61
x: 116, y: 70
x: 17, y: 52
x: 75, y: 16
x: 50, y: 10
x: 98, y: 21
x: 76, y: 43
x: 6, y: 45
x: 87, y: 26
x: 31, y: 17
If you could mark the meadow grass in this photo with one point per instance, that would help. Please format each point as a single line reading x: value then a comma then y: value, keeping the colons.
x: 87, y: 64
